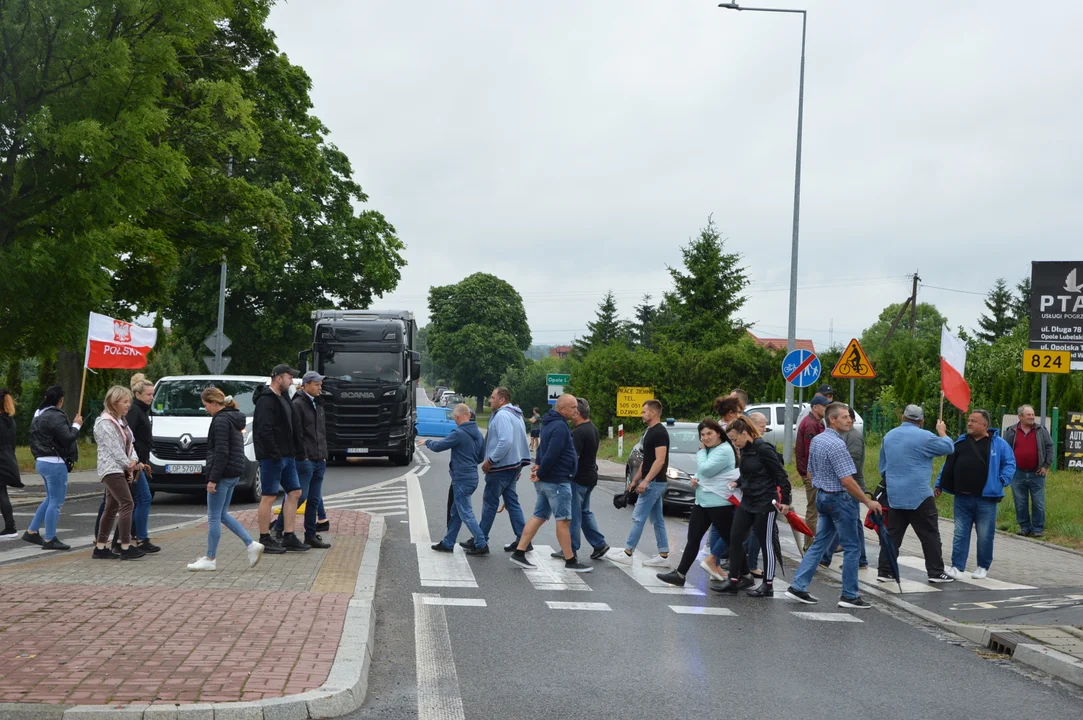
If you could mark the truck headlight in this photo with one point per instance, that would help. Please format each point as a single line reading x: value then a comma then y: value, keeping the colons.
x: 390, y: 393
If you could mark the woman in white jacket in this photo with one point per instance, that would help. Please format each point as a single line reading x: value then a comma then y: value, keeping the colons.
x: 716, y: 468
x: 118, y: 465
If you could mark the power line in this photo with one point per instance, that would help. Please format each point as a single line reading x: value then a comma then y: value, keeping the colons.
x: 954, y: 290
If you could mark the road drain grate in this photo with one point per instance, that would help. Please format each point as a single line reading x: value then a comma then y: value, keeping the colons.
x: 1005, y: 643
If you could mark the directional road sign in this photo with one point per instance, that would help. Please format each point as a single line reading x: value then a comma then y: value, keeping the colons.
x: 801, y: 368
x: 555, y: 383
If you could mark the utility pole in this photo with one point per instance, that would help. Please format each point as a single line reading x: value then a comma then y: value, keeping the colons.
x: 914, y: 304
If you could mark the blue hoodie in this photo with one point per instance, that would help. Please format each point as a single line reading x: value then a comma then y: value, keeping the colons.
x: 557, y: 459
x: 506, y: 445
x: 467, y: 450
x: 1001, y: 467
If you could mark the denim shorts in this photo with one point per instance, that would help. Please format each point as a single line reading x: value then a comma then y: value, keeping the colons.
x: 554, y: 499
x: 274, y: 474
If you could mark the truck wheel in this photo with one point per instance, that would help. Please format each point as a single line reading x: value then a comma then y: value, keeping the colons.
x: 402, y: 460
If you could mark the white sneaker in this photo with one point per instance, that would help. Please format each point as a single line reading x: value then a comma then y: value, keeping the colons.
x: 619, y: 556
x: 710, y: 571
x: 980, y: 573
x: 255, y: 552
x: 954, y: 572
x: 656, y: 561
x: 203, y: 564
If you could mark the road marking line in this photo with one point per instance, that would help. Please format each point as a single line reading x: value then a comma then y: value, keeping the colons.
x: 438, y: 696
x: 987, y: 583
x: 437, y: 569
x: 387, y: 514
x: 869, y: 574
x: 363, y: 503
x: 419, y: 522
x: 550, y: 573
x: 558, y: 605
x: 452, y: 602
x: 827, y: 617
x: 697, y: 610
x: 422, y: 458
x: 647, y: 577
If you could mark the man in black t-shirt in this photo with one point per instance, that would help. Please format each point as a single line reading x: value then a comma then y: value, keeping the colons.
x: 650, y: 483
x: 585, y: 437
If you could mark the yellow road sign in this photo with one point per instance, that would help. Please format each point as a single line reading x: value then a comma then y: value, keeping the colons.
x: 1047, y: 361
x: 630, y: 400
x: 853, y: 364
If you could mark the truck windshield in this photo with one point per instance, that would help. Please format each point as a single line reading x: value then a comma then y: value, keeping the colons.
x: 181, y: 397
x: 360, y: 366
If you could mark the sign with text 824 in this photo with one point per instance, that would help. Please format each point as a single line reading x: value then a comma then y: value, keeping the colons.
x: 630, y: 400
x: 1047, y: 361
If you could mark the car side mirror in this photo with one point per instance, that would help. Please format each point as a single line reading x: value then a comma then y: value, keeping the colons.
x: 415, y: 365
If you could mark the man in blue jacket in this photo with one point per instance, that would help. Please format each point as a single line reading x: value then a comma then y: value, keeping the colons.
x: 506, y: 454
x: 552, y: 477
x: 467, y: 451
x: 977, y: 472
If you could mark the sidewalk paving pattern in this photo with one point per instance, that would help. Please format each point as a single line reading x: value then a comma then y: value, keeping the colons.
x: 83, y: 631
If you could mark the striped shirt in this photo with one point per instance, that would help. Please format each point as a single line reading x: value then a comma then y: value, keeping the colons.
x: 829, y: 461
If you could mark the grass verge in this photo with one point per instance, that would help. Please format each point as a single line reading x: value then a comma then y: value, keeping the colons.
x: 88, y: 457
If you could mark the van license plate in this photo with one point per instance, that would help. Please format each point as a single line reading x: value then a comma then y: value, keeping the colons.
x: 184, y: 469
x: 357, y: 451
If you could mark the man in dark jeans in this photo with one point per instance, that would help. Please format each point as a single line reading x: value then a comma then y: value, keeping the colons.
x: 586, y: 438
x: 1033, y: 448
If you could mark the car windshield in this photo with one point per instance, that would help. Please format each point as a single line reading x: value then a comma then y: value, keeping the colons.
x: 359, y: 366
x: 182, y: 397
x: 683, y: 440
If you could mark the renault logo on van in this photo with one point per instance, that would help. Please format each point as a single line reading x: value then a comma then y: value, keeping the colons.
x: 360, y: 395
x: 185, y: 441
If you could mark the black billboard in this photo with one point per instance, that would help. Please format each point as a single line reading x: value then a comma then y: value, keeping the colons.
x: 1056, y: 308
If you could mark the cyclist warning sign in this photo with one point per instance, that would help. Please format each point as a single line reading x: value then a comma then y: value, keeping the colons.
x: 854, y: 364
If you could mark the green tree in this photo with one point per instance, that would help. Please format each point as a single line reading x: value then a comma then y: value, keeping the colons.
x: 605, y: 329
x: 642, y: 328
x: 1021, y: 302
x: 478, y: 331
x: 1001, y: 318
x: 527, y: 383
x: 708, y: 294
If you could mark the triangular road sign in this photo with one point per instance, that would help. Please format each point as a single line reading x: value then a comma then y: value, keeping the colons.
x: 853, y: 364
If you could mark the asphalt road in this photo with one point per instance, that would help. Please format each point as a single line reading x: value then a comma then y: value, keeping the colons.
x: 493, y: 647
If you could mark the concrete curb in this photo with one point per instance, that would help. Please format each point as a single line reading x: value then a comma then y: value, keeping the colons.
x: 22, y: 502
x: 1039, y: 657
x: 342, y: 693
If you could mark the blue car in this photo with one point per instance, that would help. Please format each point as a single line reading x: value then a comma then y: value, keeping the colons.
x: 434, y: 421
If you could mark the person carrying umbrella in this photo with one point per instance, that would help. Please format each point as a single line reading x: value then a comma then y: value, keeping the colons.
x: 762, y: 481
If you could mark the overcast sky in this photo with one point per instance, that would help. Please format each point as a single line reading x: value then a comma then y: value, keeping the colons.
x: 572, y: 146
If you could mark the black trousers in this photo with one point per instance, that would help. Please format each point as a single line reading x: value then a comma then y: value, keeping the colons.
x: 743, y: 523
x: 699, y: 522
x: 924, y: 520
x: 5, y: 507
x: 450, y: 502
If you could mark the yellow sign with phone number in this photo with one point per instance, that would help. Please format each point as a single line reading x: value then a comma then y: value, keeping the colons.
x: 630, y: 400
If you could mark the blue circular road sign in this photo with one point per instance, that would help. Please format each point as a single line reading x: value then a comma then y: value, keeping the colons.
x: 801, y: 368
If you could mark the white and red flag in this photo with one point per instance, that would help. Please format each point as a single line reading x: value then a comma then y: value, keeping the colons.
x: 115, y: 344
x: 952, y: 370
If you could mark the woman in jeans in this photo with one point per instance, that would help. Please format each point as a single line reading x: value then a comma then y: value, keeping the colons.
x: 54, y: 443
x: 225, y: 463
x: 716, y: 468
x: 9, y: 465
x: 118, y: 466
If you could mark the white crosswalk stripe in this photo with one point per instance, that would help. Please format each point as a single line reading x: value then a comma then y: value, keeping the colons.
x: 385, y: 500
x: 827, y: 617
x: 557, y: 605
x: 549, y: 573
x: 648, y: 578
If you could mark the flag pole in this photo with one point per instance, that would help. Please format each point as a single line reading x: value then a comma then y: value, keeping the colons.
x: 79, y: 410
x: 941, y: 416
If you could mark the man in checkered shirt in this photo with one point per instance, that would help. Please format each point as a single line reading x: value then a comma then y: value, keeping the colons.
x: 831, y: 470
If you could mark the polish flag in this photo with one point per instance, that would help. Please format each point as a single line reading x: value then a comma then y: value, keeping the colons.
x: 115, y: 344
x: 952, y: 367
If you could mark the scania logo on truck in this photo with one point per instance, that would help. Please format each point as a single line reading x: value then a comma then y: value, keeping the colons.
x: 360, y: 395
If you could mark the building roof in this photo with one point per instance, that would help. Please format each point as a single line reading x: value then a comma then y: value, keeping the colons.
x: 780, y: 343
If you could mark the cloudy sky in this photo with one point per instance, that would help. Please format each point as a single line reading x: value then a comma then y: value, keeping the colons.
x: 572, y: 146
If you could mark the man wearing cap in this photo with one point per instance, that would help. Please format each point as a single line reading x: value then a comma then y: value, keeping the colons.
x: 810, y: 427
x: 277, y: 441
x: 308, y: 415
x: 906, y: 463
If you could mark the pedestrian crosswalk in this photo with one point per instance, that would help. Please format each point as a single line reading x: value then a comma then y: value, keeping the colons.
x: 386, y: 499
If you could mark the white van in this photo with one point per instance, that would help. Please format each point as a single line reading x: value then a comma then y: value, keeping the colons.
x: 179, y: 426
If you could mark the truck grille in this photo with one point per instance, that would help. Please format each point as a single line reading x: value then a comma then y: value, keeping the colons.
x: 171, y: 450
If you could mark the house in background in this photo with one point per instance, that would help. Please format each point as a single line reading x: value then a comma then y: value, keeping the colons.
x: 775, y: 344
x: 560, y: 351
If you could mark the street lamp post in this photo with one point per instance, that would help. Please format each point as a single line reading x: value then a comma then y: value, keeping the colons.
x: 791, y: 337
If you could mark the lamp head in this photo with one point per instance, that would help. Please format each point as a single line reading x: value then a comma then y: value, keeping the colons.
x: 729, y: 6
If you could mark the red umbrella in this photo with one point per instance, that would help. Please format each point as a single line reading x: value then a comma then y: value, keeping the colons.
x: 795, y: 520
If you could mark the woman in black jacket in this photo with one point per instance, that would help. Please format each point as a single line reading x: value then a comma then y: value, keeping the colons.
x: 9, y: 465
x: 55, y: 444
x: 763, y: 481
x: 225, y: 463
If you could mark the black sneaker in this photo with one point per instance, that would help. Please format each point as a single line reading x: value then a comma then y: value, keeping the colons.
x: 278, y: 533
x: 825, y: 563
x: 292, y: 544
x: 727, y: 588
x: 574, y: 565
x: 1023, y: 533
x: 132, y: 553
x: 599, y: 552
x: 315, y: 541
x: 765, y: 590
x: 801, y: 596
x: 55, y: 544
x: 514, y: 544
x: 270, y: 545
x: 148, y: 547
x: 558, y: 555
x: 115, y: 547
x: 745, y: 583
x: 467, y: 544
x: 1039, y: 535
x: 854, y: 603
x: 475, y: 550
x: 941, y: 578
x: 519, y: 558
x: 441, y: 547
x: 323, y: 526
x: 672, y: 578
x: 33, y: 538
x: 104, y: 554
x: 9, y: 533
x: 888, y: 578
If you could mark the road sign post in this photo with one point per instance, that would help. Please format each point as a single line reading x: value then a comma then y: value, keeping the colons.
x: 1045, y: 362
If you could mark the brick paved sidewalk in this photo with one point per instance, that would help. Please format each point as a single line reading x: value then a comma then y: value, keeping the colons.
x: 82, y: 631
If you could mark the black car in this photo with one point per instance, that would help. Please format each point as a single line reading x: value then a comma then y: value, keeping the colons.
x: 683, y: 445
